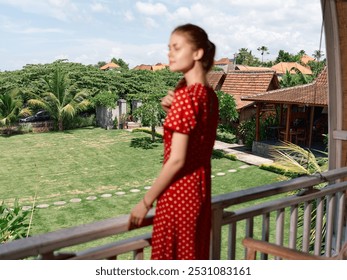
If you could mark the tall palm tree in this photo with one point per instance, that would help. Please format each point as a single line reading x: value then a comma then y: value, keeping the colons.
x: 263, y: 50
x: 59, y: 99
x: 318, y: 54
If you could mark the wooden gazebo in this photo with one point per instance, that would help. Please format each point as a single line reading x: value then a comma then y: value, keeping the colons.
x: 299, y: 105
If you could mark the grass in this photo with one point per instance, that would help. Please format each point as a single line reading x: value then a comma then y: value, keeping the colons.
x: 89, y: 162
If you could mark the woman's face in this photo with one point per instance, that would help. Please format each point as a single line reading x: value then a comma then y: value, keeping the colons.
x: 181, y: 53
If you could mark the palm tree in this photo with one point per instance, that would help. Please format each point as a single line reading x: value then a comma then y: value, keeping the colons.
x: 263, y: 50
x: 11, y: 108
x: 318, y: 54
x: 60, y: 100
x: 298, y: 160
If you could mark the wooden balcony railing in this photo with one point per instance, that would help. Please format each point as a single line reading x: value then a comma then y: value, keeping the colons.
x: 283, y: 212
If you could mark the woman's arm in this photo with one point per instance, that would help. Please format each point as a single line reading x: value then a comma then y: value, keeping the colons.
x: 171, y: 167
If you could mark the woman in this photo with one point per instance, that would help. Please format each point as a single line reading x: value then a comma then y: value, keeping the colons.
x: 181, y: 228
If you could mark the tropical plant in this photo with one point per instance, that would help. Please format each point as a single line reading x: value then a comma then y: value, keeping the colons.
x: 60, y: 100
x: 245, y: 57
x: 227, y: 108
x: 11, y: 108
x: 318, y: 54
x: 106, y: 99
x: 121, y: 63
x: 150, y: 113
x: 246, y: 132
x: 290, y: 80
x: 14, y: 223
x: 302, y: 161
x: 263, y: 50
x: 297, y: 159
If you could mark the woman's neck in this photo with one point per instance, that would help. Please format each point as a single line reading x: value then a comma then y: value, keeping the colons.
x: 196, y: 75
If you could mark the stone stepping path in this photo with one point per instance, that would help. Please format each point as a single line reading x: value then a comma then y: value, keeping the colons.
x: 119, y: 193
x: 59, y: 203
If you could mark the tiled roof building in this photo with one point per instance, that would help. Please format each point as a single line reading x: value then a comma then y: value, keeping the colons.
x: 110, y: 66
x: 244, y: 83
x: 143, y: 67
x: 216, y: 79
x: 313, y: 94
x: 282, y: 67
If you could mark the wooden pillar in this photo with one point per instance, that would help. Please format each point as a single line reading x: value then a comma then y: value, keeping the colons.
x: 289, y: 121
x: 281, y: 115
x: 310, y: 126
x: 257, y: 122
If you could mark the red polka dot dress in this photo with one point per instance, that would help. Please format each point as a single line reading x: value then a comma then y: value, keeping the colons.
x: 182, y: 221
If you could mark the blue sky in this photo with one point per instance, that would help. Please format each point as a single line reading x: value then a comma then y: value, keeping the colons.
x: 88, y: 31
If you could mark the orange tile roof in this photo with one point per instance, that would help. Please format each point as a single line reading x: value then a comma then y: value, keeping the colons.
x: 281, y: 68
x: 143, y: 67
x: 244, y: 83
x: 110, y: 65
x: 306, y: 58
x: 222, y: 61
x: 312, y: 94
x: 159, y: 66
x: 216, y: 79
x: 251, y: 68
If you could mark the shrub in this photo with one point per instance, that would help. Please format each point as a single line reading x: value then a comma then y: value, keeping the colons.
x: 80, y: 121
x: 226, y: 137
x: 281, y: 170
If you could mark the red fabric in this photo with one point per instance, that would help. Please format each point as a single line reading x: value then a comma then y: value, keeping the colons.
x: 182, y: 221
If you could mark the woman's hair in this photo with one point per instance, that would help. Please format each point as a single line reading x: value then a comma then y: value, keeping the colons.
x: 199, y: 38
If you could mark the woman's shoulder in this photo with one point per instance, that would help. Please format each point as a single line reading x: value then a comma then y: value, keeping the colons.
x: 198, y: 88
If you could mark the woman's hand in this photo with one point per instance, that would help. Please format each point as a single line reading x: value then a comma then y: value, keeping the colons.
x: 137, y: 214
x: 167, y: 100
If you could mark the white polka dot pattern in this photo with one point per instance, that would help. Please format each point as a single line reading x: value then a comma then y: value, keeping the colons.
x: 183, y: 213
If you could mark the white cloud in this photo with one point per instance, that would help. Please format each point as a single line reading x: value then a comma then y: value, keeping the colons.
x: 144, y: 26
x: 63, y: 10
x: 98, y: 7
x: 129, y: 16
x: 182, y: 13
x: 59, y: 3
x: 150, y: 9
x: 150, y: 23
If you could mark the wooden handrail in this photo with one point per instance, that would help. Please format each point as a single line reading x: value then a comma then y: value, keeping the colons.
x: 228, y: 199
x: 253, y: 246
x: 49, y: 245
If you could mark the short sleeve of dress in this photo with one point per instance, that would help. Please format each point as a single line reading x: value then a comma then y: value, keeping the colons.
x: 183, y: 112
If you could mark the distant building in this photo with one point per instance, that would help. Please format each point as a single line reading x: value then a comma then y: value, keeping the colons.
x: 224, y: 63
x: 245, y: 83
x: 306, y: 59
x: 143, y: 67
x: 282, y: 67
x: 110, y: 66
x: 158, y: 66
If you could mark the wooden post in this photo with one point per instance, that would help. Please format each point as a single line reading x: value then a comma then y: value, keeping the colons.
x: 288, y: 122
x: 216, y: 234
x: 257, y: 122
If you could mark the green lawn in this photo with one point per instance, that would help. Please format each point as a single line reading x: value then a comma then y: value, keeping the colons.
x: 94, y: 162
